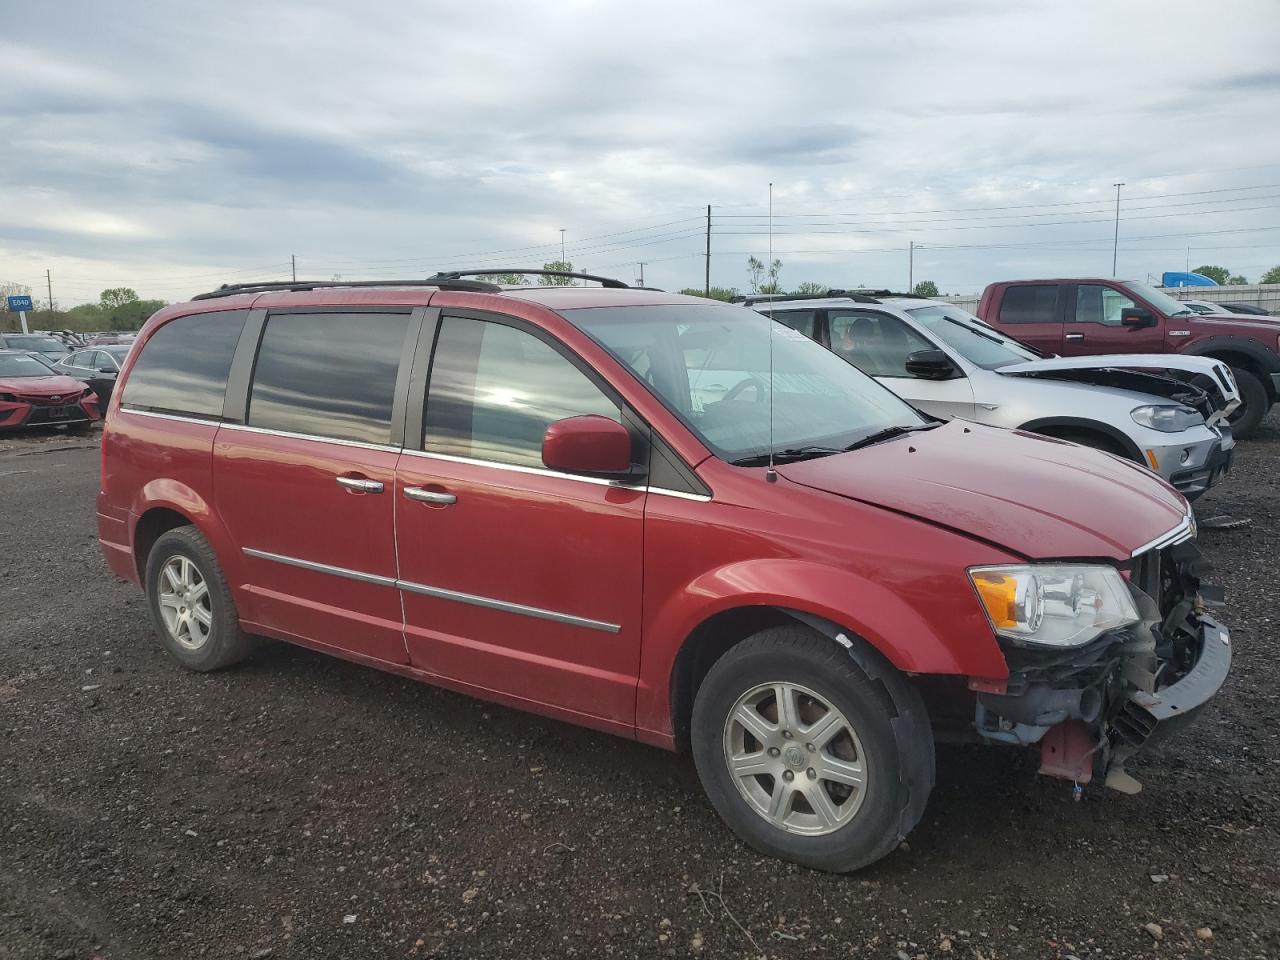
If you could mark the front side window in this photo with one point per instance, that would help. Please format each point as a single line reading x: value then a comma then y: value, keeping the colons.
x: 21, y: 365
x: 736, y: 379
x: 876, y: 344
x: 1030, y: 303
x: 1098, y: 304
x: 183, y: 366
x: 971, y: 338
x: 330, y: 375
x: 495, y: 389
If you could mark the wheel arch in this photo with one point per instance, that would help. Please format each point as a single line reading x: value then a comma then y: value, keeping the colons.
x: 1056, y: 426
x: 1241, y: 353
x: 165, y: 504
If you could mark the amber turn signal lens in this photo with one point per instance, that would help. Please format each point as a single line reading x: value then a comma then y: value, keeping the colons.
x: 999, y: 595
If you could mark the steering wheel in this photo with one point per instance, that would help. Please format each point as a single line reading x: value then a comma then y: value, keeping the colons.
x: 761, y: 388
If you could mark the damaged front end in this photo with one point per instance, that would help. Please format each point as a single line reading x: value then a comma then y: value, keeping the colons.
x: 1092, y: 707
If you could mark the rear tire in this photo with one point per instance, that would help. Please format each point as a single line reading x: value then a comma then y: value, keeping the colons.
x: 868, y: 764
x: 1254, y: 404
x: 191, y: 606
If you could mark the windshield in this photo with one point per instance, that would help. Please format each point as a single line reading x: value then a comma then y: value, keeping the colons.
x: 1161, y: 301
x: 971, y: 338
x: 709, y: 365
x: 41, y: 344
x: 21, y: 365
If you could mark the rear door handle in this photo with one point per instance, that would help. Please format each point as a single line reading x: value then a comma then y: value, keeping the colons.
x: 1075, y: 336
x: 423, y: 495
x: 360, y: 484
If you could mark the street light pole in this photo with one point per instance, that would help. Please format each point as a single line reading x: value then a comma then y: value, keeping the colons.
x: 1115, y: 247
x: 562, y: 245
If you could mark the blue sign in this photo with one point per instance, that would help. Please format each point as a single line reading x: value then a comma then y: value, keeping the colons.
x: 19, y: 304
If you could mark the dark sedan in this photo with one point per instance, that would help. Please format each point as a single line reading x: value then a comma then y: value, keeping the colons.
x: 49, y: 347
x: 97, y: 367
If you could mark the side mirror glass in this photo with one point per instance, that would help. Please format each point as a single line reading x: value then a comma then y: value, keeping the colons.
x: 106, y: 368
x: 590, y: 445
x: 1137, y: 317
x: 931, y: 365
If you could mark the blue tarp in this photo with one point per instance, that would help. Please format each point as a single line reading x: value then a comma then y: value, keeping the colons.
x: 1172, y: 278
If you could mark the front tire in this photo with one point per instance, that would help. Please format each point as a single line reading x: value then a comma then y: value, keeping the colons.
x: 810, y: 752
x: 1254, y: 404
x: 191, y: 606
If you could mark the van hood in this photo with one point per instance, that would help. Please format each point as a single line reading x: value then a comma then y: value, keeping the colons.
x: 1035, y: 496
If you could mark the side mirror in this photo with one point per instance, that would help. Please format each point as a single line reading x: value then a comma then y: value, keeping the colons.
x: 106, y: 368
x: 591, y: 445
x: 1137, y: 317
x: 931, y: 365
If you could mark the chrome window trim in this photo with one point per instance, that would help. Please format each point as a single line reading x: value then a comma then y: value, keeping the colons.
x: 1185, y: 530
x: 438, y: 592
x: 268, y: 432
x: 544, y: 472
x: 137, y: 412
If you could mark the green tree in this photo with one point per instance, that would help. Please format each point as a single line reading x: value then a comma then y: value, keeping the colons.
x: 1219, y: 274
x: 925, y: 288
x: 755, y: 270
x: 1271, y: 276
x: 506, y: 279
x: 810, y: 288
x: 727, y: 294
x: 117, y: 297
x: 563, y: 265
x: 1239, y: 280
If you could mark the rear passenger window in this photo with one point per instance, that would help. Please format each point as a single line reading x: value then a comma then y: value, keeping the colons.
x: 802, y: 321
x: 183, y: 366
x: 329, y: 375
x: 1030, y: 303
x: 495, y: 389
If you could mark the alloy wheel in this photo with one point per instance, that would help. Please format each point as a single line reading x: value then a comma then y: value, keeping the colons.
x: 184, y: 602
x: 795, y: 758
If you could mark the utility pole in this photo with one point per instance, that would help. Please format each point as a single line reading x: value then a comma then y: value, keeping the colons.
x: 1115, y: 247
x: 706, y: 290
x: 562, y: 260
x: 48, y: 278
x: 642, y: 274
x: 293, y: 261
x: 911, y: 265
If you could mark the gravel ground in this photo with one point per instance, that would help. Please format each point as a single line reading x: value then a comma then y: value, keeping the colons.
x: 299, y: 806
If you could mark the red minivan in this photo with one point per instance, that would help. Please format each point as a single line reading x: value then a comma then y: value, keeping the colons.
x: 659, y: 516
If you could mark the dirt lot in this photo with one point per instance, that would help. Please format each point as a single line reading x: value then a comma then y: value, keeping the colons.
x: 303, y: 807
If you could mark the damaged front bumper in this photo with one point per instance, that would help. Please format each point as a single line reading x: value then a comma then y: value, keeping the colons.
x: 1092, y: 708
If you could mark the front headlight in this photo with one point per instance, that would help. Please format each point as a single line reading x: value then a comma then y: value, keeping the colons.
x: 1054, y: 605
x: 1166, y: 419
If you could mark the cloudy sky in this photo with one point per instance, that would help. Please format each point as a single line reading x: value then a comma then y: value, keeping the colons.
x: 170, y: 146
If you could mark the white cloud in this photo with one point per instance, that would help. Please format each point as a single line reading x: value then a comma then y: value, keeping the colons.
x: 157, y: 148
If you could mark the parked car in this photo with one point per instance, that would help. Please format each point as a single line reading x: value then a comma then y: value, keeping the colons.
x: 49, y: 347
x: 110, y: 339
x: 1206, y: 306
x: 948, y: 363
x: 1095, y: 316
x: 33, y: 394
x: 534, y: 496
x: 97, y: 367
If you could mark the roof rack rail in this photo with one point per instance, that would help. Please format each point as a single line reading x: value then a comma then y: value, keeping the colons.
x: 290, y: 286
x: 493, y: 271
x: 860, y: 296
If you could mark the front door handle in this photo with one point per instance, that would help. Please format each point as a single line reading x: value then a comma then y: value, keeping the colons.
x: 360, y: 484
x: 1075, y: 336
x: 423, y: 495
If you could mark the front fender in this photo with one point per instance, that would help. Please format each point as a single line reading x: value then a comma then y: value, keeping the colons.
x: 934, y: 625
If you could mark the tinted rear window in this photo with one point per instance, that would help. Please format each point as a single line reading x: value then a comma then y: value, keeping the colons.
x: 1030, y: 303
x: 183, y: 367
x: 328, y: 374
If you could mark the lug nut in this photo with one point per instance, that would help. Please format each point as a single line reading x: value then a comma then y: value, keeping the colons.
x: 813, y: 774
x: 786, y: 734
x: 809, y: 747
x: 774, y: 751
x: 788, y: 776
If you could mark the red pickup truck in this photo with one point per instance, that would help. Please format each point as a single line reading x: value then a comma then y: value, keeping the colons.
x: 1085, y: 317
